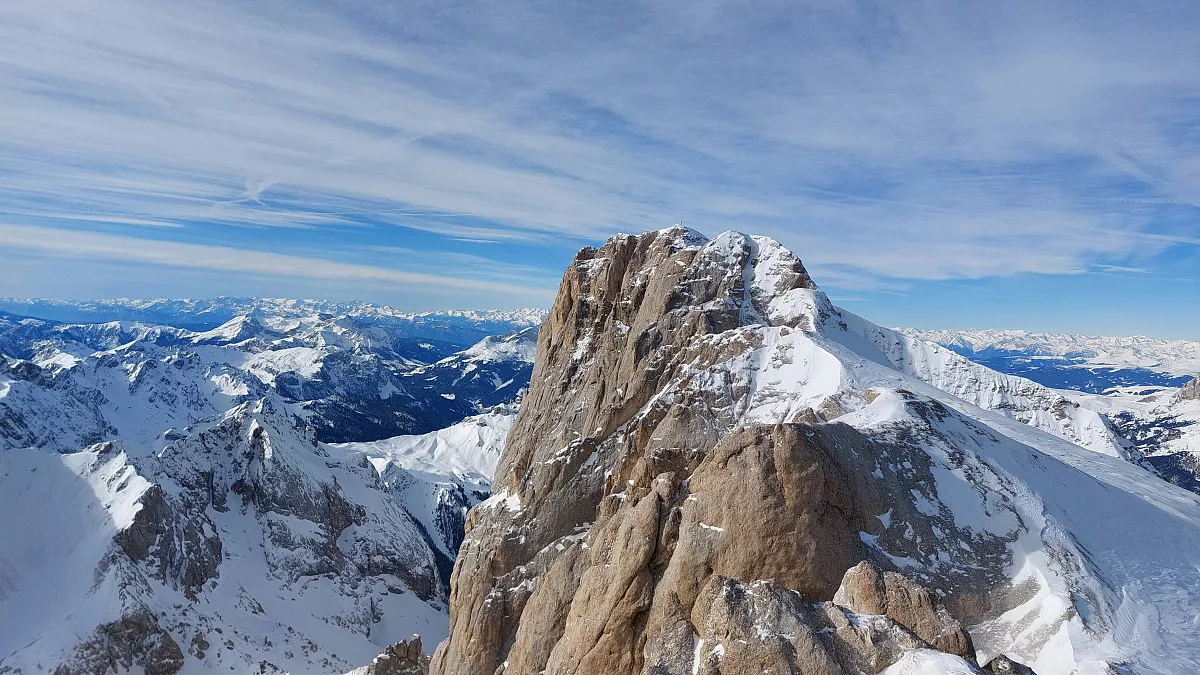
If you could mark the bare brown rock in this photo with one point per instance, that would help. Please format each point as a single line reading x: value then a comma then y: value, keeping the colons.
x: 764, y: 627
x: 613, y: 340
x: 135, y: 641
x: 402, y: 658
x: 868, y: 590
x: 636, y: 517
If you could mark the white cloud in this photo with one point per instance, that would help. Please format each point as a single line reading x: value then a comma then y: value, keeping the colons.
x: 95, y: 246
x: 926, y: 140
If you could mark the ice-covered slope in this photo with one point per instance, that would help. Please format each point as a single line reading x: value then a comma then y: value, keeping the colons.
x: 671, y: 364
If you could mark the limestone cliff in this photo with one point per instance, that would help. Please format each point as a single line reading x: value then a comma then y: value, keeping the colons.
x: 673, y: 497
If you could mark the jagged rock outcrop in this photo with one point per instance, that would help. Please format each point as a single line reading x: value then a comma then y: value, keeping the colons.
x: 662, y: 486
x: 763, y: 627
x: 176, y: 549
x: 1002, y: 665
x: 403, y: 658
x: 1190, y: 391
x: 135, y: 641
x: 868, y: 590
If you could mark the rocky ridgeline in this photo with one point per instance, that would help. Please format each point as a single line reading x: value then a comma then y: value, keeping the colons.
x: 663, y: 509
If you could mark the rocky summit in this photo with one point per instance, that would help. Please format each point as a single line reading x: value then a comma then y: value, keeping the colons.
x: 716, y: 470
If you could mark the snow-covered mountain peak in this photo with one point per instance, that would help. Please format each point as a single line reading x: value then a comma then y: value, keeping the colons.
x: 238, y: 329
x: 521, y: 345
x: 285, y: 485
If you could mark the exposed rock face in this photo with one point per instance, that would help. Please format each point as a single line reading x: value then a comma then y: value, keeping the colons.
x: 135, y: 641
x: 763, y: 627
x: 313, y: 526
x: 402, y: 658
x: 1190, y: 391
x: 176, y: 549
x: 1002, y: 665
x: 867, y: 590
x: 649, y: 497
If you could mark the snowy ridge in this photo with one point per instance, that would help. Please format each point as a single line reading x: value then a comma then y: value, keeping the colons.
x: 50, y: 555
x: 442, y: 474
x: 1015, y: 397
x: 1128, y: 580
x: 1161, y: 426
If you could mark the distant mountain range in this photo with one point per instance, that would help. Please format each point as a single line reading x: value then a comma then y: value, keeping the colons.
x: 462, y: 327
x: 1083, y: 362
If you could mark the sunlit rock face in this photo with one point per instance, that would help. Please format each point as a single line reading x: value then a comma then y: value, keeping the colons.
x: 709, y: 445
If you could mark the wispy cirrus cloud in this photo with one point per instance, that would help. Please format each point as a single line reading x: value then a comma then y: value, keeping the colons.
x: 107, y: 247
x: 885, y: 143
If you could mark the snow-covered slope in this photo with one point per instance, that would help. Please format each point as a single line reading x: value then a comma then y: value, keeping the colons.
x: 1161, y: 426
x: 1015, y: 397
x: 441, y: 474
x: 242, y: 543
x: 1110, y: 548
x: 167, y: 501
x: 1116, y: 394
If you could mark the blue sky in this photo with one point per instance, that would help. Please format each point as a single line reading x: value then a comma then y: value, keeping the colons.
x: 939, y: 164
